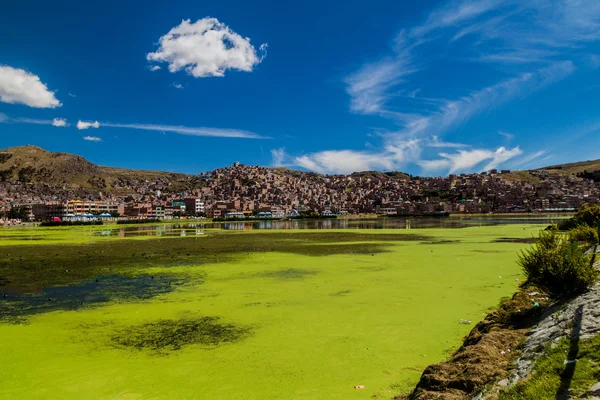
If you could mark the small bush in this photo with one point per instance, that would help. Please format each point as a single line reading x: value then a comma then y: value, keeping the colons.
x: 584, y: 234
x: 557, y: 264
x: 588, y: 215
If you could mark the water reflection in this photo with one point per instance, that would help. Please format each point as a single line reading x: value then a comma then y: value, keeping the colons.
x: 197, y: 229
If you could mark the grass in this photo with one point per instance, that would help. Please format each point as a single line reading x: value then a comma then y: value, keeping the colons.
x: 545, y: 381
x: 259, y: 315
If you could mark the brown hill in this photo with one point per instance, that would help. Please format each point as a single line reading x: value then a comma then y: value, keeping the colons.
x: 35, y: 166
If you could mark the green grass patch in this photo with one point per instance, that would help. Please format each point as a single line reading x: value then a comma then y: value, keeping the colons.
x: 548, y: 377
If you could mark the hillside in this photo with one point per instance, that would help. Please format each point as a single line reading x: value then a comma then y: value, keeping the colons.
x: 584, y: 169
x: 37, y: 167
x: 576, y: 168
x: 30, y: 173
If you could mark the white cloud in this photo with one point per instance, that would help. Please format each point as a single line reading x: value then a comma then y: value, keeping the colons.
x: 456, y: 112
x: 392, y: 157
x: 534, y: 44
x: 527, y: 160
x: 72, y: 95
x: 500, y: 156
x: 18, y: 86
x: 60, y: 122
x: 92, y: 138
x: 436, y: 142
x: 454, y: 13
x: 278, y: 156
x: 343, y: 161
x: 509, y: 136
x: 184, y: 130
x: 85, y: 125
x: 520, y: 32
x: 206, y: 48
x: 514, y: 32
x: 177, y: 85
x: 468, y: 160
x: 369, y: 88
x: 154, y: 68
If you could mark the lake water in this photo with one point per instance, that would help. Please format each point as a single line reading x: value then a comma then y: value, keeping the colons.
x: 192, y: 229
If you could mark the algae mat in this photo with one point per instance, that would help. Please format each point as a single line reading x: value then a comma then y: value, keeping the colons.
x: 268, y: 316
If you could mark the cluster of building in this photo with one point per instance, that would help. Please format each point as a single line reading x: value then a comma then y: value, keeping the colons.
x: 243, y: 191
x: 81, y: 209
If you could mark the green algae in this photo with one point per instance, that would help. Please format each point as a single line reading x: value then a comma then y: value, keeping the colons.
x: 170, y: 335
x: 349, y: 316
x: 46, y: 264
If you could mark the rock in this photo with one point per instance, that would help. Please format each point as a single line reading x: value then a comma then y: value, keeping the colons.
x: 504, y: 382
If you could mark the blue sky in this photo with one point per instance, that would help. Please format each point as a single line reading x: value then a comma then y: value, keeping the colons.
x: 428, y: 87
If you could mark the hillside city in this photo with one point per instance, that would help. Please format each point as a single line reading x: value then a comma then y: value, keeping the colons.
x: 242, y: 191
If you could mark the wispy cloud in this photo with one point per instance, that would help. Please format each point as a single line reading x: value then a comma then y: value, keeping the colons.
x: 191, y: 131
x: 58, y: 122
x: 436, y: 142
x: 278, y: 156
x: 532, y: 43
x: 92, y: 138
x: 507, y: 135
x: 456, y: 13
x: 182, y: 130
x: 369, y: 88
x: 528, y: 159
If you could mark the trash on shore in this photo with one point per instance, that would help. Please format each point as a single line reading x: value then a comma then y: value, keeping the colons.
x: 465, y: 321
x: 359, y: 387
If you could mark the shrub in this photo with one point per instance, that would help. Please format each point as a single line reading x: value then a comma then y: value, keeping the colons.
x: 584, y: 234
x: 588, y: 215
x: 557, y: 264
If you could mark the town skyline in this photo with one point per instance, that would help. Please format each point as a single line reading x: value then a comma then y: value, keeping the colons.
x: 60, y: 184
